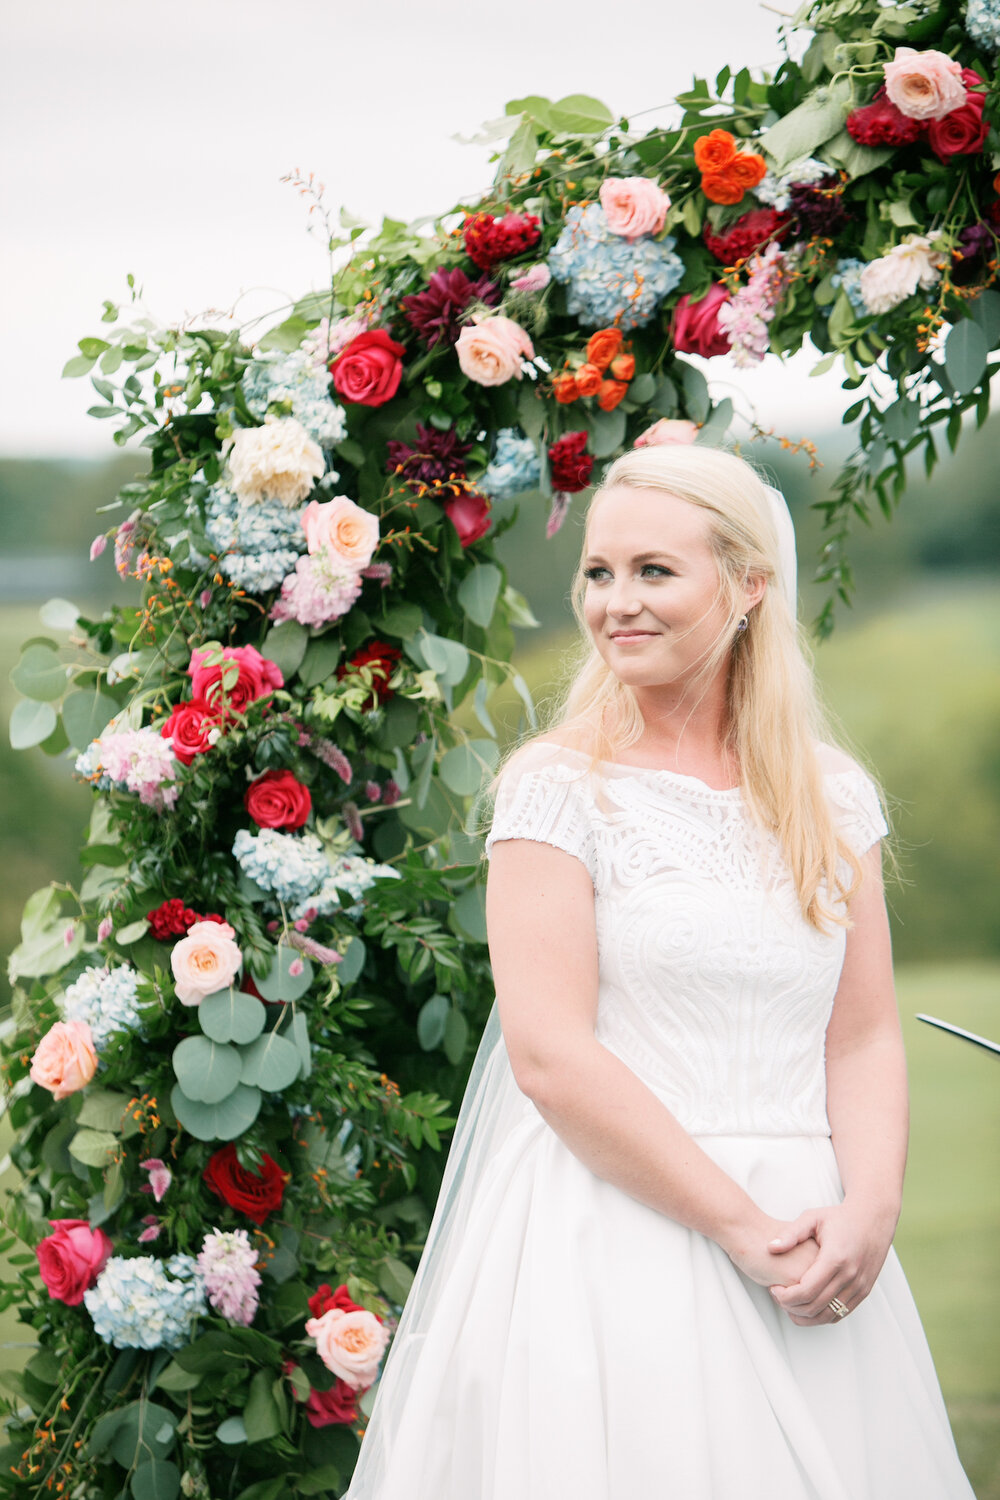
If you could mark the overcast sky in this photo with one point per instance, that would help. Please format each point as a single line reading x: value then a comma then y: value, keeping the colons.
x: 152, y: 139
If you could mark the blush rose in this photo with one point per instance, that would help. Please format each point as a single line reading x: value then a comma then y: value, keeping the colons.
x: 205, y: 961
x: 924, y: 85
x: 634, y: 206
x: 71, y: 1259
x: 368, y: 370
x: 277, y: 799
x: 351, y: 1344
x: 343, y: 530
x: 65, y: 1059
x: 490, y: 350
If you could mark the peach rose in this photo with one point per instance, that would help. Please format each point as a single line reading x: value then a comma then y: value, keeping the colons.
x: 204, y: 961
x: 490, y: 350
x: 351, y: 1344
x: 341, y: 529
x: 667, y: 431
x: 924, y: 85
x: 65, y: 1060
x: 633, y: 206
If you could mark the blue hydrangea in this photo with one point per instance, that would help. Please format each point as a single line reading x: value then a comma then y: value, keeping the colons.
x: 258, y: 544
x: 290, y: 866
x: 848, y: 276
x: 107, y: 1000
x: 349, y: 875
x: 294, y: 387
x: 514, y: 467
x: 982, y: 22
x: 145, y: 1303
x: 88, y: 765
x: 610, y: 280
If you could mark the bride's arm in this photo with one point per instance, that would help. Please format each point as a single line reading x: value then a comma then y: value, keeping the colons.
x: 867, y: 1108
x: 543, y: 946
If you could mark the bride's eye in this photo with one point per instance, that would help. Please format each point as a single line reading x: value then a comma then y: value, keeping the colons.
x: 594, y: 574
x: 657, y: 570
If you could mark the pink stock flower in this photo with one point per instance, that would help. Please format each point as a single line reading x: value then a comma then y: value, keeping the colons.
x: 97, y: 546
x: 318, y: 592
x: 745, y: 317
x: 160, y: 1177
x: 152, y: 1230
x: 104, y: 929
x: 634, y: 206
x: 534, y: 279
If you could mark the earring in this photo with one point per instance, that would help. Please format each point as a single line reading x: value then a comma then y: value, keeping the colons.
x: 742, y: 623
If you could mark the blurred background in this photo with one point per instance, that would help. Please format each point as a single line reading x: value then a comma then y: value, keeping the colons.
x: 156, y: 147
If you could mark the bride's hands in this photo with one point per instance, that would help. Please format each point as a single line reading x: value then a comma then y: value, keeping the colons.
x: 756, y: 1254
x: 853, y: 1244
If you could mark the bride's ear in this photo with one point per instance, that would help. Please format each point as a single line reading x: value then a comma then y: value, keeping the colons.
x: 753, y: 590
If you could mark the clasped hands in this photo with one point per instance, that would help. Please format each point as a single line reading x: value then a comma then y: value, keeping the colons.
x: 828, y: 1252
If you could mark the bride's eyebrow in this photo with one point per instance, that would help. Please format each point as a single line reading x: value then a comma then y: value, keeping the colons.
x: 640, y: 557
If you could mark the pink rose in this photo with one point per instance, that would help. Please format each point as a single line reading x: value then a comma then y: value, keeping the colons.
x: 256, y: 677
x: 65, y: 1060
x: 667, y: 431
x: 71, y: 1259
x: 695, y: 325
x: 342, y: 529
x: 205, y: 961
x: 924, y: 85
x: 351, y: 1344
x: 490, y: 350
x: 369, y: 369
x: 633, y: 206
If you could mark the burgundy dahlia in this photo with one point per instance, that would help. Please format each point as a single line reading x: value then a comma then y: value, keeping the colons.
x: 488, y: 241
x: 882, y: 124
x: 570, y: 465
x: 975, y: 247
x: 436, y: 458
x: 751, y: 232
x: 436, y: 313
x: 818, y: 207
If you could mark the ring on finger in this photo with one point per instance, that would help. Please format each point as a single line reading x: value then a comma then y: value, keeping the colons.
x: 838, y: 1308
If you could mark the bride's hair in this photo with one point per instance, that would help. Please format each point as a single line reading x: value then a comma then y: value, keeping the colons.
x: 775, y: 721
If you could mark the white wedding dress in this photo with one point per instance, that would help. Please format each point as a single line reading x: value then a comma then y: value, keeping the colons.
x: 565, y: 1342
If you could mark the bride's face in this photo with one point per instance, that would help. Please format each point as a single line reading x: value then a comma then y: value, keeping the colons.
x: 651, y: 601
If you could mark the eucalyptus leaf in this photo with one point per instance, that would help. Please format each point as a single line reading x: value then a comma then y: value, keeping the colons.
x: 985, y: 310
x: 642, y: 389
x: 607, y: 432
x: 300, y: 1036
x: 965, y: 354
x: 207, y: 1071
x: 271, y: 1063
x: 86, y: 713
x: 697, y: 401
x: 31, y: 723
x: 157, y: 1479
x: 58, y: 614
x: 232, y: 1430
x: 456, y: 1036
x: 217, y: 1122
x: 280, y: 983
x: 470, y: 913
x: 132, y: 932
x: 136, y: 1438
x: 286, y: 644
x: 448, y: 659
x: 479, y: 706
x: 231, y: 1016
x: 320, y: 660
x: 353, y: 961
x: 478, y: 592
x: 431, y: 1020
x: 402, y: 621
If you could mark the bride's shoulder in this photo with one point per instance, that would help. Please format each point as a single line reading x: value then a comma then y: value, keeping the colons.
x: 835, y: 762
x: 553, y: 749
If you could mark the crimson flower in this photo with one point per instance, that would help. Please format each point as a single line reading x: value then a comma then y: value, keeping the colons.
x: 436, y: 313
x: 436, y: 457
x: 750, y: 232
x: 818, y: 207
x: 570, y: 465
x: 488, y: 241
x: 880, y: 123
x: 380, y: 658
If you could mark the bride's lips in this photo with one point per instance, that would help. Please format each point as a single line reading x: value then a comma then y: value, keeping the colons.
x: 624, y: 636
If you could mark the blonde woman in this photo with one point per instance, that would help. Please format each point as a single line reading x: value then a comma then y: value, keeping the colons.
x: 661, y: 1262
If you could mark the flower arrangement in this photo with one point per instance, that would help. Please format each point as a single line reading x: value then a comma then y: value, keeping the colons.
x: 233, y: 1047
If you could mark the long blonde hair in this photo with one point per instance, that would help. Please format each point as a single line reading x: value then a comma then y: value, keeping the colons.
x: 774, y: 718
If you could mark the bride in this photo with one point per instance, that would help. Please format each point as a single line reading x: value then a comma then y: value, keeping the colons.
x: 661, y: 1261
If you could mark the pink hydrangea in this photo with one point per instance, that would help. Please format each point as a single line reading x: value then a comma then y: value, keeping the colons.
x: 227, y: 1262
x: 143, y: 762
x: 316, y: 594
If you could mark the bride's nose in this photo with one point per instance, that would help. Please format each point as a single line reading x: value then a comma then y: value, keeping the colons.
x: 622, y: 599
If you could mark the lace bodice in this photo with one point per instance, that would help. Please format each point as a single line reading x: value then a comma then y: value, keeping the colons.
x: 712, y: 986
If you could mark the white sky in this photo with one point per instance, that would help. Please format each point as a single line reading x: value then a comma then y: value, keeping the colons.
x: 151, y: 139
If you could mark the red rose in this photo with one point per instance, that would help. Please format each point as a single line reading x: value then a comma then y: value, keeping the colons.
x: 322, y: 1300
x: 963, y: 131
x: 380, y: 658
x: 570, y: 464
x: 368, y: 370
x: 469, y: 513
x: 695, y: 326
x: 188, y: 728
x: 278, y: 800
x: 256, y: 677
x: 251, y: 1193
x: 71, y: 1259
x: 323, y: 1408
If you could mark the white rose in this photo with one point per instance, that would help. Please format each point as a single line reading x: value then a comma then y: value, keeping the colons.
x: 278, y: 461
x: 888, y: 281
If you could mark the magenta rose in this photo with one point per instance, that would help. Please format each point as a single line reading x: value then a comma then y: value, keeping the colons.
x: 71, y: 1259
x: 189, y: 727
x: 277, y: 799
x: 469, y: 513
x: 696, y: 324
x: 369, y: 369
x: 256, y: 677
x: 962, y: 131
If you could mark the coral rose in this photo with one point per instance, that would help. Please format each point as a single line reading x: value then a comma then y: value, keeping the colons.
x: 344, y: 530
x: 189, y: 728
x: 256, y: 677
x: 367, y: 371
x: 65, y: 1060
x: 205, y: 961
x: 565, y: 387
x: 278, y: 461
x: 714, y: 152
x: 611, y: 393
x: 351, y: 1344
x: 633, y: 206
x: 623, y: 368
x: 924, y: 85
x: 469, y: 513
x: 665, y: 431
x: 588, y: 380
x: 722, y: 187
x: 604, y: 346
x: 277, y: 799
x: 255, y: 1194
x: 695, y: 327
x: 747, y: 168
x: 71, y: 1259
x: 490, y: 350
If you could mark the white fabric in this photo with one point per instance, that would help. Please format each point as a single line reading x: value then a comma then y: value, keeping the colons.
x: 563, y: 1341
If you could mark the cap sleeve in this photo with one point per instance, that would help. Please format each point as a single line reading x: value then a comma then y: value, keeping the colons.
x: 857, y: 808
x: 542, y: 796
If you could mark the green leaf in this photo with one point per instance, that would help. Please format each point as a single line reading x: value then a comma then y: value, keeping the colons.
x: 478, y: 592
x: 463, y: 767
x: 137, y: 1436
x: 395, y: 1278
x: 353, y: 961
x: 320, y: 660
x: 103, y: 1110
x: 431, y: 1022
x: 522, y: 149
x: 91, y: 348
x: 714, y: 429
x: 402, y: 621
x: 232, y: 1430
x: 86, y: 713
x: 79, y: 365
x: 470, y: 912
x: 449, y: 660
x: 985, y: 310
x: 518, y: 608
x: 131, y: 933
x: 856, y: 160
x: 697, y: 401
x: 47, y: 952
x: 965, y: 355
x: 579, y: 114
x: 285, y: 645
x: 523, y: 691
x: 207, y: 1071
x: 320, y: 1481
x: 816, y: 120
x: 217, y: 1122
x: 94, y: 1148
x: 901, y: 421
x: 664, y: 402
x: 642, y: 388
x: 40, y: 911
x: 156, y: 1480
x: 266, y: 1489
x: 58, y: 614
x: 279, y: 983
x: 271, y: 1063
x: 261, y: 1414
x: 31, y: 723
x: 178, y: 1380
x: 231, y: 1016
x: 456, y: 1036
x: 40, y: 674
x: 607, y: 432
x: 479, y: 706
x: 300, y: 1036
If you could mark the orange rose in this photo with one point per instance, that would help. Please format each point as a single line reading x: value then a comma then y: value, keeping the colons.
x: 565, y: 388
x: 611, y: 393
x: 722, y: 187
x: 747, y: 168
x: 714, y: 151
x: 623, y: 368
x: 603, y: 346
x: 588, y: 380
